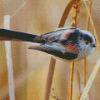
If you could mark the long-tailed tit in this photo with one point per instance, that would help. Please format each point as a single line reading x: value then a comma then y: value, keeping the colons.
x: 70, y: 44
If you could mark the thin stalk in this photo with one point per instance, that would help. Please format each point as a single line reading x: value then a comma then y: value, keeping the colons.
x: 90, y: 80
x: 71, y: 81
x: 9, y: 60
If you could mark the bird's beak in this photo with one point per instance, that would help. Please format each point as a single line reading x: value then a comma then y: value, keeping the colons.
x: 93, y: 45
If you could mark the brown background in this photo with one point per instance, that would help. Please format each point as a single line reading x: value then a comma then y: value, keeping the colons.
x: 31, y: 67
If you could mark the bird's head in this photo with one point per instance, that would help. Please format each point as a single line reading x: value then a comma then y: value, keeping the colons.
x: 86, y: 43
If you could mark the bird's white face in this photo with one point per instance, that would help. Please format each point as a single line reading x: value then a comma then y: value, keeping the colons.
x: 86, y: 44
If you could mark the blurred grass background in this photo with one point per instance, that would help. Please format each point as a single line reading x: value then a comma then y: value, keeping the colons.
x: 31, y: 67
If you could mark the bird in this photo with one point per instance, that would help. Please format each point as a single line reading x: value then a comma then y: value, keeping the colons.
x: 66, y: 43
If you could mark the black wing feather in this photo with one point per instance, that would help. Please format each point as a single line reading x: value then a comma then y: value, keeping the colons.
x: 56, y: 51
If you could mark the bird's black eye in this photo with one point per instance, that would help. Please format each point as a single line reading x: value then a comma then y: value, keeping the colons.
x: 87, y: 42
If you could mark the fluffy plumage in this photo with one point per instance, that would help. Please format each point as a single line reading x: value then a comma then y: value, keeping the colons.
x: 70, y: 44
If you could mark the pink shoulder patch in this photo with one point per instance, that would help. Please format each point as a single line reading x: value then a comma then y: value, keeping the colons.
x: 66, y: 35
x: 71, y: 47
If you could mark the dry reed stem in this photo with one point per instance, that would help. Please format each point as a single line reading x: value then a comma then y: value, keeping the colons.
x: 90, y: 80
x: 71, y: 81
x: 50, y: 77
x: 93, y: 27
x: 88, y: 16
x: 66, y: 12
x: 84, y: 61
x: 84, y: 72
x: 70, y: 91
x: 84, y: 76
x: 9, y: 60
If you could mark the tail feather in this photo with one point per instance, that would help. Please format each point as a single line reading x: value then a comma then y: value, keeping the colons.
x: 16, y: 35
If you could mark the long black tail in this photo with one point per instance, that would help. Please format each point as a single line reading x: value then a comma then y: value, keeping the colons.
x: 16, y: 35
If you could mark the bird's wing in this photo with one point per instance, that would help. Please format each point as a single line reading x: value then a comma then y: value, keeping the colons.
x: 56, y: 51
x: 60, y: 33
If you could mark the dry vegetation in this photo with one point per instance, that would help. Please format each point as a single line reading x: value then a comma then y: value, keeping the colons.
x: 31, y: 67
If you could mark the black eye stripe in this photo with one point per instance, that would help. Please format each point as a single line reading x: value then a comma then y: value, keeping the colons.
x: 87, y: 38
